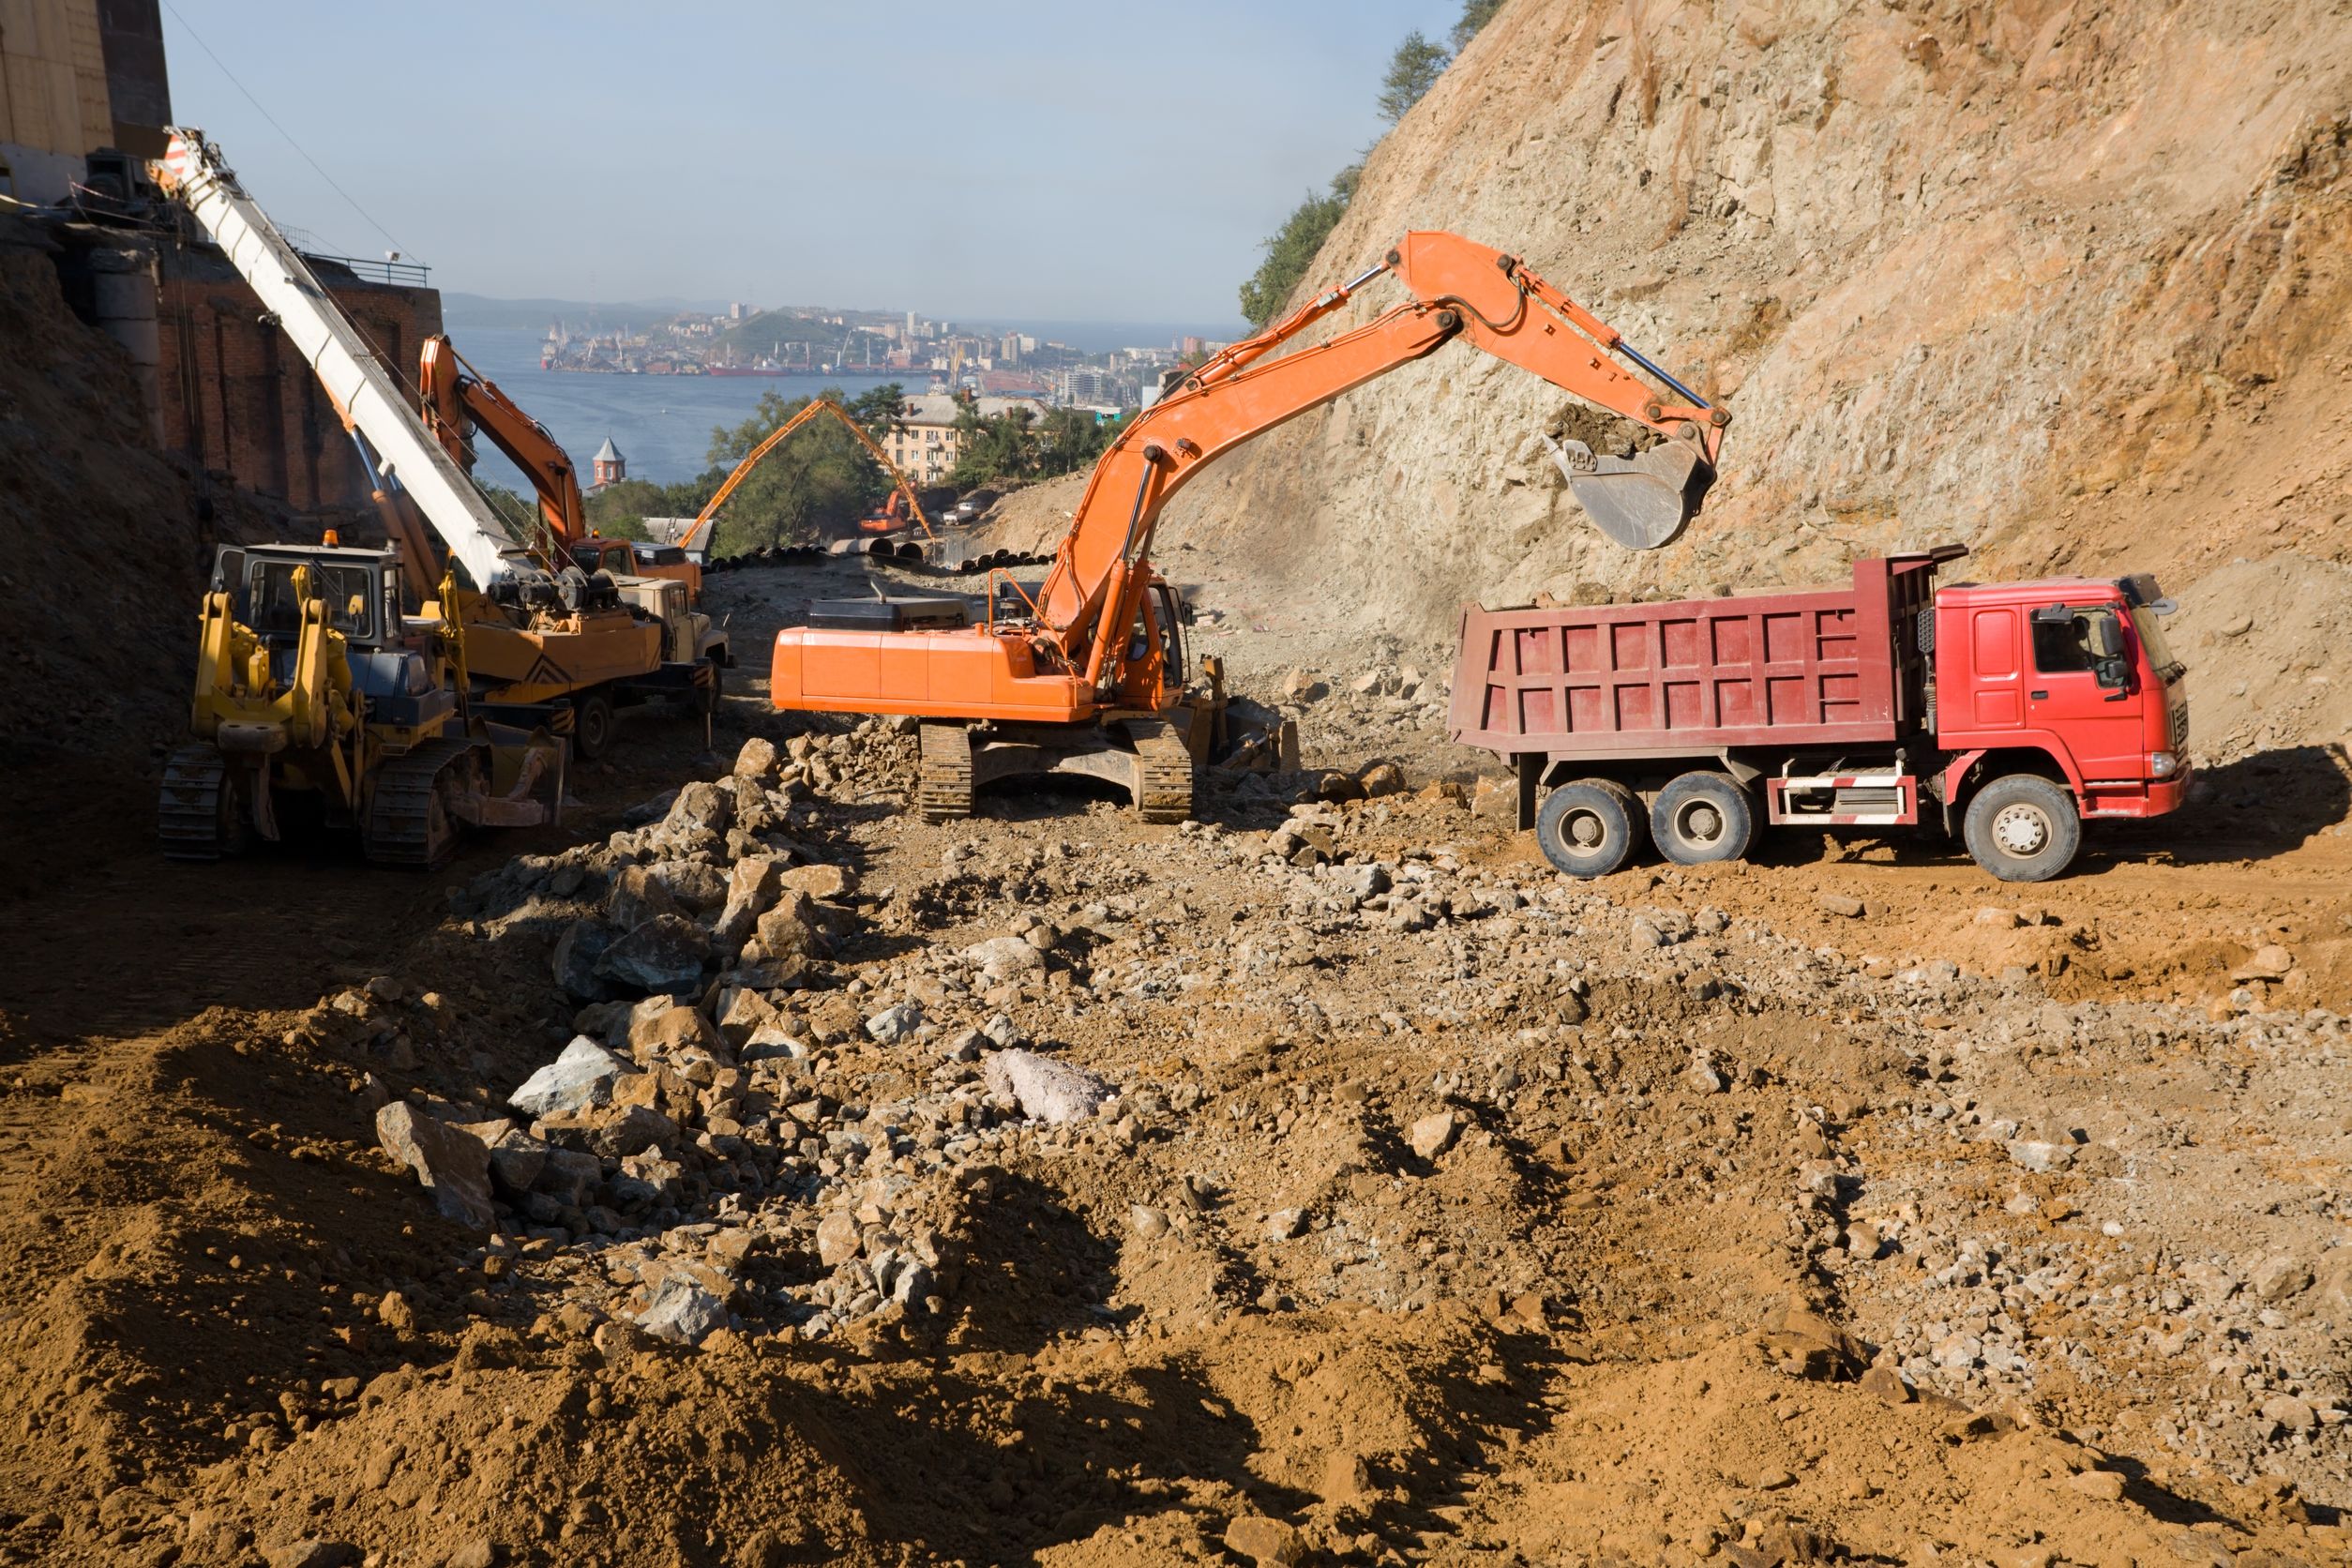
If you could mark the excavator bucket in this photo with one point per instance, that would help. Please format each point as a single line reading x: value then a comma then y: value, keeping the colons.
x: 1643, y: 500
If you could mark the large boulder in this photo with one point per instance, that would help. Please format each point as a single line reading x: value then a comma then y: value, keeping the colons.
x: 1045, y: 1089
x: 579, y: 953
x: 664, y: 1030
x: 579, y: 1077
x: 752, y: 885
x: 608, y: 1131
x: 566, y: 1175
x: 1006, y: 958
x: 697, y: 888
x: 516, y: 1159
x: 665, y: 954
x: 702, y: 806
x: 822, y: 880
x: 682, y: 1312
x: 639, y: 895
x: 757, y: 761
x: 452, y: 1164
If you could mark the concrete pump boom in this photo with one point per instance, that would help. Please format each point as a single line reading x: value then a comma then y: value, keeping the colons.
x: 365, y: 396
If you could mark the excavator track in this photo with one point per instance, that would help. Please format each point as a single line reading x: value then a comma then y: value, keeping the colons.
x: 409, y: 819
x: 198, y: 817
x: 943, y: 786
x: 1163, y: 771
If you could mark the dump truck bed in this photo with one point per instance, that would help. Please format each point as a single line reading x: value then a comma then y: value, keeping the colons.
x: 1818, y: 667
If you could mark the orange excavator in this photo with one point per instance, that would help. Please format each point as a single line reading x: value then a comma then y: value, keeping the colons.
x: 457, y: 401
x: 901, y: 490
x: 1088, y: 676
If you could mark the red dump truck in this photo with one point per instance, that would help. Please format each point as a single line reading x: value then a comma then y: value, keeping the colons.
x: 2010, y: 711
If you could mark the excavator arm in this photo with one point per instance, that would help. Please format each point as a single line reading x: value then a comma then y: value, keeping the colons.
x: 455, y: 395
x: 1459, y: 290
x: 752, y: 460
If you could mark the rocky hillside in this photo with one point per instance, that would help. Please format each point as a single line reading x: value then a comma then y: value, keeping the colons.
x: 2065, y: 282
x: 109, y: 540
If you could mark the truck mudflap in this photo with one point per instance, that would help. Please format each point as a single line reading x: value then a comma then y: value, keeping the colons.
x: 1842, y: 799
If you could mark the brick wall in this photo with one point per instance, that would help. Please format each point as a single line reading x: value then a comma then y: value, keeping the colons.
x: 239, y: 399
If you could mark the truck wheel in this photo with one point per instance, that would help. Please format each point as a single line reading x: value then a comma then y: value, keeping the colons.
x: 1589, y: 827
x: 1702, y: 817
x: 592, y: 726
x: 2022, y: 828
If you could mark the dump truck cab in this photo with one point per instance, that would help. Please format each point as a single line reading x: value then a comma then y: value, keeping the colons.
x: 631, y: 558
x: 2073, y: 669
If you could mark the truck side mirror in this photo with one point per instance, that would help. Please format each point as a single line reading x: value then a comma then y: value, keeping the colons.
x: 2112, y: 673
x: 2107, y: 638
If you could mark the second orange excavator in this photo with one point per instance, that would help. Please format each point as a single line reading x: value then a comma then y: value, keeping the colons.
x: 1088, y: 676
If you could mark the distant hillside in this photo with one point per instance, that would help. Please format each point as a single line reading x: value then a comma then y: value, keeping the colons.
x: 519, y: 315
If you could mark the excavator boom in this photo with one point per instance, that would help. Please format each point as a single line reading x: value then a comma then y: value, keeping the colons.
x: 1091, y: 679
x: 1459, y: 289
x: 456, y: 394
x: 776, y: 438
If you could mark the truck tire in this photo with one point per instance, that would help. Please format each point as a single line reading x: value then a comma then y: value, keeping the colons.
x: 2022, y: 828
x: 592, y: 726
x: 1589, y: 827
x: 1701, y: 817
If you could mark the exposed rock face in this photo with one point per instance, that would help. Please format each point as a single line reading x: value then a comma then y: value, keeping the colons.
x: 1885, y: 238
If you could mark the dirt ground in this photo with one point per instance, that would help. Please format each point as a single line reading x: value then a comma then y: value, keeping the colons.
x: 1427, y: 1207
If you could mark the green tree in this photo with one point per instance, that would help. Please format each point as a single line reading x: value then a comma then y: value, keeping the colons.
x: 1475, y: 15
x: 1294, y: 246
x: 618, y: 511
x: 1412, y: 70
x: 813, y: 487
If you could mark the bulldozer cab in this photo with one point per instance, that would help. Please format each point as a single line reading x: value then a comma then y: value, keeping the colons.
x: 267, y: 585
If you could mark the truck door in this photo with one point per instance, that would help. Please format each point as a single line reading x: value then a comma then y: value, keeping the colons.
x: 2083, y: 691
x: 1995, y: 696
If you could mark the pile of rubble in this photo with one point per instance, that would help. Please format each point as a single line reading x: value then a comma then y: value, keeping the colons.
x: 704, y: 1132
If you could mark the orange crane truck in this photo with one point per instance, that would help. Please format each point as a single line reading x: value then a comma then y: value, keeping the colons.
x: 1088, y: 676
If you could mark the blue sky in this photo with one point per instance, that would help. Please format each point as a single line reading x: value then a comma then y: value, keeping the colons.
x: 1032, y: 159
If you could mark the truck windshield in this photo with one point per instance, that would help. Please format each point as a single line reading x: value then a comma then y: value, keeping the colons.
x: 2160, y: 655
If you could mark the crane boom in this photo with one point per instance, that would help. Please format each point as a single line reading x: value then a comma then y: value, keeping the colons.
x: 363, y: 392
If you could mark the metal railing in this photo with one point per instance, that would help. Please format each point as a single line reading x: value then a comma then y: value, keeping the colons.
x: 406, y: 274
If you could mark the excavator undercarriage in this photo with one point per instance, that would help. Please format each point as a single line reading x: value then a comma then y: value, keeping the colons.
x: 1145, y: 755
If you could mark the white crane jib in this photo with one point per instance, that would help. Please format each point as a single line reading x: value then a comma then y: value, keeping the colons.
x: 355, y: 380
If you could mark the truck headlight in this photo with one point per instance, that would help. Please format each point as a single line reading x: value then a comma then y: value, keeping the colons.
x: 2162, y: 763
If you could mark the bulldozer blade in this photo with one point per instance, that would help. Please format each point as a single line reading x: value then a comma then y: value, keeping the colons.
x: 1641, y: 502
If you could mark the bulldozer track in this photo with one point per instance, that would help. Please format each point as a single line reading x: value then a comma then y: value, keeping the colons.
x: 188, y: 818
x: 1163, y: 771
x: 942, y: 789
x: 409, y: 824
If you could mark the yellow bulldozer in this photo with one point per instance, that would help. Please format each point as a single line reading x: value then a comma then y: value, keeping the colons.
x: 312, y: 685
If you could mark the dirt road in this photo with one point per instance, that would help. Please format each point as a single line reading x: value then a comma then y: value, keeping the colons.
x: 1425, y: 1207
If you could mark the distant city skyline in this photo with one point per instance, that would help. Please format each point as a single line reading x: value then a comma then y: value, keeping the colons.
x: 1049, y: 161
